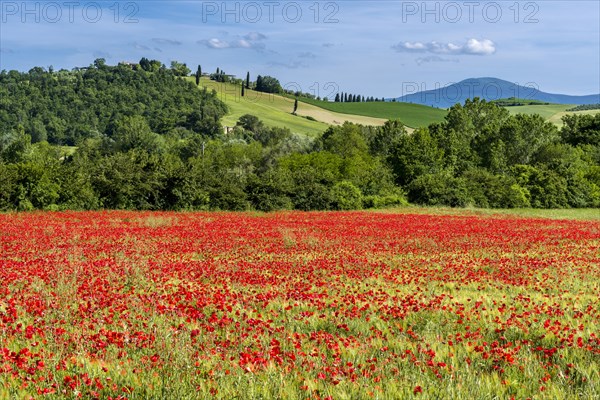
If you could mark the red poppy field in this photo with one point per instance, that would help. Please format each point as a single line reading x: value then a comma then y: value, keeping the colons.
x: 133, y: 305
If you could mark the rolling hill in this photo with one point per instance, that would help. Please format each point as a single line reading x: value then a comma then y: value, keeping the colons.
x: 546, y: 111
x: 275, y: 110
x: 490, y: 89
x: 412, y: 115
x: 314, y: 116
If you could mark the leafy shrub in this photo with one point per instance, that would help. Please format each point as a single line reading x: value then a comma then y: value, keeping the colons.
x: 439, y: 189
x: 495, y: 191
x: 346, y: 196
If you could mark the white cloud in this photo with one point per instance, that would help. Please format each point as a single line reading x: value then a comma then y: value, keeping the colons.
x: 254, y: 36
x: 252, y: 40
x: 215, y: 43
x: 483, y: 47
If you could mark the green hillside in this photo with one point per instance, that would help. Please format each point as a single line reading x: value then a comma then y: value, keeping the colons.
x: 557, y: 118
x: 550, y: 112
x: 413, y: 115
x: 269, y: 108
x: 545, y: 110
x: 276, y: 110
x: 314, y: 116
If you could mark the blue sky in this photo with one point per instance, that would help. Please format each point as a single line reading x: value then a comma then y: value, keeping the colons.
x: 376, y: 48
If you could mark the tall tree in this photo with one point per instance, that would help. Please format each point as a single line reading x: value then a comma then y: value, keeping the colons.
x: 198, y: 75
x: 295, y: 106
x: 248, y: 80
x: 337, y: 97
x: 243, y: 91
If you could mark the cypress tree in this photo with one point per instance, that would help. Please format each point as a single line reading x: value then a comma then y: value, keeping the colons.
x: 198, y: 75
x: 243, y: 92
x: 295, y: 106
x: 248, y: 80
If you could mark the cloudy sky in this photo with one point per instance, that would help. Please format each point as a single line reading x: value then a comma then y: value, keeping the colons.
x: 377, y: 48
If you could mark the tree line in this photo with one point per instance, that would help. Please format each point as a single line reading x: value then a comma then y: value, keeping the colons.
x: 354, y: 98
x: 143, y: 138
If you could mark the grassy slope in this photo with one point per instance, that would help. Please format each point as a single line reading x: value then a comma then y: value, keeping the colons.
x: 413, y: 115
x: 546, y: 110
x: 268, y: 108
x: 577, y: 213
x: 550, y: 112
x: 556, y: 118
x: 276, y: 110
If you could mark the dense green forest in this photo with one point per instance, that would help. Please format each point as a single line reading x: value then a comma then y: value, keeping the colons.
x: 148, y: 139
x: 67, y: 107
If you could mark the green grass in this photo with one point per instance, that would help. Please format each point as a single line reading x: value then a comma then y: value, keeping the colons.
x: 412, y: 115
x: 557, y: 118
x: 276, y: 111
x: 545, y: 110
x: 272, y: 110
x: 570, y: 213
x: 550, y: 112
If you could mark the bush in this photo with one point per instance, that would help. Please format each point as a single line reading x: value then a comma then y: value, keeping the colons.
x: 346, y: 196
x: 547, y: 189
x: 312, y: 196
x: 439, y: 189
x: 386, y: 199
x: 495, y: 191
x: 269, y: 193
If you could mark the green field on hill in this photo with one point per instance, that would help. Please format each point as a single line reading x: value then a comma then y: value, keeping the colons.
x: 550, y: 112
x: 269, y: 108
x: 557, y: 118
x: 314, y: 116
x: 412, y: 115
x: 544, y: 110
x: 275, y: 110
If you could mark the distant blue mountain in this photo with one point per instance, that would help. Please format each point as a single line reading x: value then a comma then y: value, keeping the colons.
x: 490, y: 89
